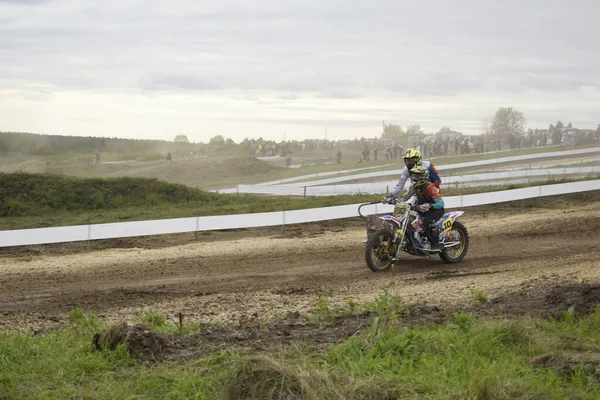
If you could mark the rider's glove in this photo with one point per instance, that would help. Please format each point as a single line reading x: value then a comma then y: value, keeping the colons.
x: 423, y: 207
x: 386, y: 199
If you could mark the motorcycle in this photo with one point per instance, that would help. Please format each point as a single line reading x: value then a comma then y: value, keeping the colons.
x: 403, y: 231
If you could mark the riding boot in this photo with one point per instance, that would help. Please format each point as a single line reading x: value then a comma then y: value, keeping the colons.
x: 434, y: 236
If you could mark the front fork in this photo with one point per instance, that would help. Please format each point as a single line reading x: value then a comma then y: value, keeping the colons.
x: 400, y: 233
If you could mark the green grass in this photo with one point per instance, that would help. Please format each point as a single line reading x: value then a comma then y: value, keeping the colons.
x: 284, y: 173
x: 34, y: 201
x: 465, y: 358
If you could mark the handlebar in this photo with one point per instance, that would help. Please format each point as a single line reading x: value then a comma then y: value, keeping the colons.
x: 393, y: 202
x: 367, y: 204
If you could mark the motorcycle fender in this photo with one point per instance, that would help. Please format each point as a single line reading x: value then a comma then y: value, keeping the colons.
x: 447, y: 220
x: 394, y: 219
x: 391, y: 218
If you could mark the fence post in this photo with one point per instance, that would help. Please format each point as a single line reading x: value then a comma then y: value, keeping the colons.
x: 304, y: 191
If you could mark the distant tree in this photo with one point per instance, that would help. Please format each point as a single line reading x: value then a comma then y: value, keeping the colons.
x: 559, y: 125
x: 391, y: 131
x: 570, y: 125
x: 229, y: 142
x: 413, y: 130
x: 447, y: 129
x: 218, y: 140
x: 486, y: 125
x: 181, y: 139
x: 508, y: 125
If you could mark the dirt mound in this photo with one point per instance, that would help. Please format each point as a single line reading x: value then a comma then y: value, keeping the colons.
x: 584, y: 298
x: 568, y: 364
x: 146, y: 345
x: 546, y: 300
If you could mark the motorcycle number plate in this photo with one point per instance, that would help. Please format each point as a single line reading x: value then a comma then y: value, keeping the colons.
x: 447, y: 224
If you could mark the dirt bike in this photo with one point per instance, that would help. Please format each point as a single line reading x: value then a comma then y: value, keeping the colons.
x: 403, y: 231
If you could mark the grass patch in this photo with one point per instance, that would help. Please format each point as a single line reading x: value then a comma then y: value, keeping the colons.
x: 465, y: 358
x: 479, y: 296
x: 36, y: 200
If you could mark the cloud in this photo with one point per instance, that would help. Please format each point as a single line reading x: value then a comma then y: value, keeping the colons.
x: 338, y: 51
x: 249, y: 97
x: 25, y: 2
x: 185, y: 82
x: 291, y: 96
x: 279, y: 54
x: 340, y: 94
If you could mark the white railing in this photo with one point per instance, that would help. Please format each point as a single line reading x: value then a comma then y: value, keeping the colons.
x: 22, y: 237
x: 386, y: 186
x: 290, y: 181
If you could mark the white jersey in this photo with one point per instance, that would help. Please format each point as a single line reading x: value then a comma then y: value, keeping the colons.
x: 404, y: 178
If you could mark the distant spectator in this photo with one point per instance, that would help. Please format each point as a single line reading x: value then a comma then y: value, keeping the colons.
x: 375, y: 151
x: 396, y: 150
x: 288, y: 161
x: 169, y: 158
x: 388, y: 153
x: 339, y: 156
x: 365, y: 152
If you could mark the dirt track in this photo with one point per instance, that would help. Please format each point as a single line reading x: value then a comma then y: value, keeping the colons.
x: 273, y: 275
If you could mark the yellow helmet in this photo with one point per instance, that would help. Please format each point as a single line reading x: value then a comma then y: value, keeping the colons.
x: 412, y: 157
x: 418, y: 173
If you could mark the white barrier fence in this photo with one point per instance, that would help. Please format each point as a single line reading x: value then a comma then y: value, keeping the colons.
x: 397, y: 172
x: 385, y: 186
x: 319, y: 174
x: 23, y: 237
x: 346, y: 171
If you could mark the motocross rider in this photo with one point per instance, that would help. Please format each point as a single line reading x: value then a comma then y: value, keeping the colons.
x: 412, y: 158
x: 431, y: 207
x: 429, y: 203
x: 415, y: 174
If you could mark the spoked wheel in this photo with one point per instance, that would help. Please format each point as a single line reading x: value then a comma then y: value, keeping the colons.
x: 380, y: 250
x: 456, y: 253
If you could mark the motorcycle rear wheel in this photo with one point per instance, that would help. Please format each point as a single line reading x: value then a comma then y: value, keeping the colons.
x: 380, y: 250
x: 455, y: 254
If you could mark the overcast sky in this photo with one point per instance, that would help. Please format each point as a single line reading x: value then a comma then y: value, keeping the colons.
x: 155, y: 69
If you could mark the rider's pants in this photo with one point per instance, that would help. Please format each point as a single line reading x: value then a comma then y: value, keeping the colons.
x: 430, y: 219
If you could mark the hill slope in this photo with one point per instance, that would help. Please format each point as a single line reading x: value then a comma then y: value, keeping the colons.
x: 38, y: 194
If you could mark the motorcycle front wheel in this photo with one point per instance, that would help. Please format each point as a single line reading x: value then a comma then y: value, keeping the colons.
x: 380, y: 250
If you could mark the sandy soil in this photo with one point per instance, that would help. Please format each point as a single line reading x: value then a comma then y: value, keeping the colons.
x: 272, y: 275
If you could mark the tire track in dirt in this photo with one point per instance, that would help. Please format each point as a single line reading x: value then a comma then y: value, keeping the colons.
x: 216, y: 281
